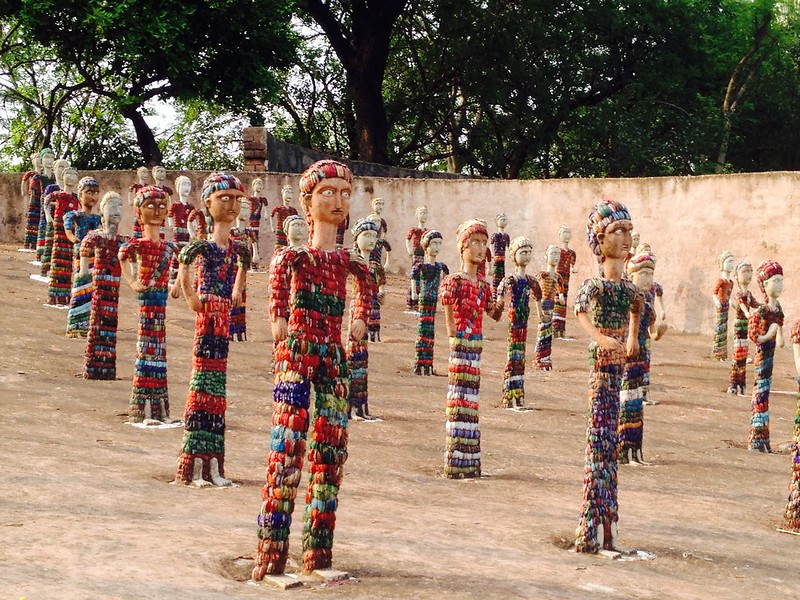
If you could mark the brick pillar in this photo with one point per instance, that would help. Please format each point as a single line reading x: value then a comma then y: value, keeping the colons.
x: 255, y: 148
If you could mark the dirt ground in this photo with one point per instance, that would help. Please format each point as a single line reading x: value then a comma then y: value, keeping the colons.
x: 88, y: 511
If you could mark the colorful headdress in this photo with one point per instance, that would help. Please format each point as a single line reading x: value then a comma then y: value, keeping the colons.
x: 429, y: 235
x: 217, y: 182
x: 148, y: 192
x: 518, y: 243
x: 323, y: 169
x: 44, y: 151
x: 363, y: 225
x: 468, y: 228
x: 86, y: 182
x: 723, y: 256
x: 767, y: 269
x: 602, y: 215
x: 643, y: 259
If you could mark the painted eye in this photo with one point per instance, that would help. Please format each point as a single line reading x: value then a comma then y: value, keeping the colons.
x: 346, y: 195
x: 327, y: 193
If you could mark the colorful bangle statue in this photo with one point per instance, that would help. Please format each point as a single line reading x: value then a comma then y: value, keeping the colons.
x: 365, y: 235
x: 565, y: 268
x: 152, y: 255
x: 791, y: 514
x: 243, y: 237
x: 31, y: 189
x: 465, y: 297
x: 142, y: 175
x: 414, y: 247
x: 44, y: 242
x: 104, y: 246
x: 722, y: 296
x: 550, y: 284
x: 743, y: 302
x: 766, y: 330
x: 77, y: 224
x: 278, y: 216
x: 178, y: 219
x: 518, y: 288
x: 606, y: 307
x: 60, y: 278
x: 635, y: 390
x: 219, y: 286
x: 307, y: 297
x: 258, y: 207
x: 425, y: 279
x: 498, y: 243
x: 378, y: 262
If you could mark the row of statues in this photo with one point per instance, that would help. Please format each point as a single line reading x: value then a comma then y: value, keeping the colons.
x: 320, y: 379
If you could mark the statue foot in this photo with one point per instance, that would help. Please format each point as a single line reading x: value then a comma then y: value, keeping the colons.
x: 197, y: 474
x: 638, y: 459
x: 216, y: 478
x: 151, y: 422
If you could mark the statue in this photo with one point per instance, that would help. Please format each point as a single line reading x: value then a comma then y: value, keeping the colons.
x: 279, y: 214
x: 414, y: 248
x: 29, y: 193
x: 310, y: 356
x: 499, y: 243
x: 766, y: 331
x: 219, y: 286
x: 792, y: 513
x: 365, y: 235
x: 245, y: 238
x: 258, y: 208
x: 77, y: 224
x: 565, y: 268
x: 178, y: 219
x: 722, y: 296
x: 425, y: 279
x: 44, y: 241
x: 57, y: 204
x: 104, y: 246
x: 382, y: 249
x: 743, y: 302
x: 465, y: 296
x: 196, y: 222
x: 145, y: 266
x: 296, y: 230
x: 635, y: 388
x: 142, y: 175
x: 607, y: 308
x: 551, y: 286
x: 519, y: 287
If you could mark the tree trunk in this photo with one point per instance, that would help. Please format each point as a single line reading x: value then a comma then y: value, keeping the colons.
x: 723, y: 145
x: 151, y: 153
x: 371, y: 125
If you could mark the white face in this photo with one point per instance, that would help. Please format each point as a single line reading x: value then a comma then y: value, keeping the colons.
x: 422, y: 216
x: 366, y: 240
x: 257, y: 186
x: 643, y: 279
x: 774, y: 286
x: 377, y: 205
x: 565, y: 235
x: 745, y: 276
x: 286, y: 194
x: 112, y: 211
x: 297, y: 233
x: 553, y: 256
x: 434, y: 247
x: 244, y: 211
x: 523, y: 256
x: 70, y: 178
x: 142, y: 173
x: 502, y: 221
x: 48, y: 159
x: 36, y: 162
x: 727, y: 266
x: 159, y: 173
x: 634, y: 240
x: 185, y: 188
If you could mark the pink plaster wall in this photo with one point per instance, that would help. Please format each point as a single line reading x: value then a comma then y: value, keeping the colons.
x: 688, y: 221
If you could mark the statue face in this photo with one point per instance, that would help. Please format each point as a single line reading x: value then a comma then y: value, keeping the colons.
x: 523, y: 256
x: 434, y: 247
x: 48, y: 158
x: 727, y: 266
x: 159, y: 173
x: 112, y: 211
x: 615, y: 241
x: 297, y: 233
x: 553, y: 255
x: 257, y: 186
x: 422, y: 215
x: 142, y: 173
x: 634, y: 239
x: 502, y: 221
x: 745, y: 276
x: 244, y: 210
x: 36, y: 161
x: 89, y: 197
x: 70, y: 177
x: 643, y: 278
x: 185, y: 188
x: 565, y: 235
x: 286, y: 195
x: 774, y: 286
x: 366, y: 240
x: 329, y: 201
x: 377, y: 205
x: 224, y: 205
x: 153, y: 211
x: 474, y: 251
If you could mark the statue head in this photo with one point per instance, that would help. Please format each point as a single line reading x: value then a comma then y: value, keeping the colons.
x: 69, y: 175
x: 431, y: 242
x: 142, y: 173
x: 326, y: 187
x: 222, y: 196
x: 159, y: 174
x: 257, y: 185
x: 150, y: 203
x: 365, y: 235
x: 183, y: 186
x: 421, y: 214
x: 48, y: 158
x: 244, y: 210
x: 88, y: 191
x: 725, y: 261
x: 770, y: 278
x: 287, y: 193
x: 606, y: 218
x: 377, y: 205
x: 552, y: 255
x: 296, y: 230
x: 58, y: 168
x: 111, y: 209
x: 641, y: 267
x: 564, y: 234
x: 521, y: 250
x: 501, y: 220
x: 744, y: 273
x: 472, y: 238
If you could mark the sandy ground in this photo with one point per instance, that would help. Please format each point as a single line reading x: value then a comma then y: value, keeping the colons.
x: 88, y: 511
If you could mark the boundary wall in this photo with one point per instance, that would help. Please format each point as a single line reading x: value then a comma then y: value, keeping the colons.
x: 688, y: 221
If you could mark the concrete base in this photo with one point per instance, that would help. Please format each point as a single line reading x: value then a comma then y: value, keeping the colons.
x: 282, y: 582
x: 789, y: 531
x: 329, y: 575
x: 25, y: 250
x: 40, y: 278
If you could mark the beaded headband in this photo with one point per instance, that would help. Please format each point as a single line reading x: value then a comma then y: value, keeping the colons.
x: 86, y: 182
x: 363, y: 225
x: 219, y: 181
x: 468, y: 228
x: 518, y: 243
x: 603, y: 214
x: 643, y: 259
x: 148, y: 192
x: 44, y: 151
x: 323, y: 169
x: 723, y: 256
x: 291, y: 219
x: 767, y: 269
x: 428, y: 237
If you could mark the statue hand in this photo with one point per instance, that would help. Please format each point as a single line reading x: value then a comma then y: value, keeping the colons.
x: 236, y: 299
x: 138, y: 286
x: 357, y: 330
x: 280, y: 329
x: 175, y: 290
